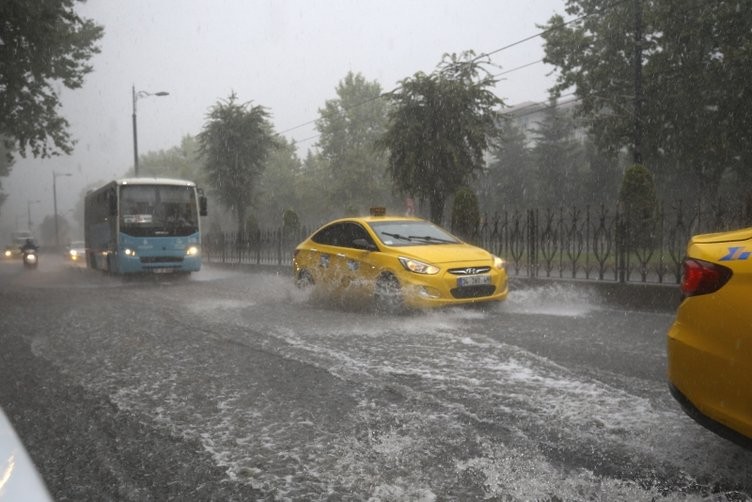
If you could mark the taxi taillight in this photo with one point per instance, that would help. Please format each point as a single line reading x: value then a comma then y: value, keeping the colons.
x: 702, y: 277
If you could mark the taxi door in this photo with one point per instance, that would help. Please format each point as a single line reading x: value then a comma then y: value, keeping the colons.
x: 355, y: 271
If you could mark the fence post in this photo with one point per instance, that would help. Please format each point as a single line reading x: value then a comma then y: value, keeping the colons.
x: 621, y: 247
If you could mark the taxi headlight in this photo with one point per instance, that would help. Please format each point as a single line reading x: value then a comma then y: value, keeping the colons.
x: 499, y: 263
x: 129, y: 252
x: 191, y: 251
x: 418, y: 266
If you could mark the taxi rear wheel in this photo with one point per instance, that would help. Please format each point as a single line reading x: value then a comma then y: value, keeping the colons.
x: 388, y: 295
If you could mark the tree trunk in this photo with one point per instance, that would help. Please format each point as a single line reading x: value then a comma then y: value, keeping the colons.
x: 437, y: 207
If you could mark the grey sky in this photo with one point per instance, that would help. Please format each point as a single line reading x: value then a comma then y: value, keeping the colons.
x: 286, y: 55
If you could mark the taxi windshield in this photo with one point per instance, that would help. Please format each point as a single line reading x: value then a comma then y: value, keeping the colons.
x: 411, y: 233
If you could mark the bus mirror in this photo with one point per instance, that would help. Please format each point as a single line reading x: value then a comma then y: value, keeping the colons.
x: 202, y: 209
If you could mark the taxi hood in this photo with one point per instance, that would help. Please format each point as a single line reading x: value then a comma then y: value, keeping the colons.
x: 732, y: 236
x: 445, y: 253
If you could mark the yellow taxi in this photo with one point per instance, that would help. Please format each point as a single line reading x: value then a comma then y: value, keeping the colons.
x: 398, y: 262
x: 710, y: 341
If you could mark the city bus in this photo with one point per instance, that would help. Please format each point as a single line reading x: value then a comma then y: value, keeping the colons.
x: 136, y: 225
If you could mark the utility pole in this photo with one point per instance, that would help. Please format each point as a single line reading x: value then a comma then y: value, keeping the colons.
x: 637, y: 154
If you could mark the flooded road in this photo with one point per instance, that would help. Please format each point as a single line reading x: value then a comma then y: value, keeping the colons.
x: 549, y: 395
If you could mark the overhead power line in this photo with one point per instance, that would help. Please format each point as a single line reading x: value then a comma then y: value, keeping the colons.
x: 480, y: 56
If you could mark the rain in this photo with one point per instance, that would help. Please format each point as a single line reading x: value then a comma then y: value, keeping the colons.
x: 182, y: 348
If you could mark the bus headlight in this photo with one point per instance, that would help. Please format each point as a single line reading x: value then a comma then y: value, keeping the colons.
x: 129, y: 252
x: 191, y: 251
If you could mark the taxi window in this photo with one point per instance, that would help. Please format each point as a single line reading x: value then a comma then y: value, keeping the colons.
x: 341, y: 235
x: 333, y: 235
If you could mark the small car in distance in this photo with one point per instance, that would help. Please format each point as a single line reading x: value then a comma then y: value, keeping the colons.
x: 10, y: 251
x: 398, y: 262
x: 709, y: 348
x: 76, y: 251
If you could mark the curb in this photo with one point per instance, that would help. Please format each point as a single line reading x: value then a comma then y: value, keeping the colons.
x: 634, y: 296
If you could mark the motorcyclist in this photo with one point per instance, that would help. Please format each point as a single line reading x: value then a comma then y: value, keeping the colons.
x: 29, y: 245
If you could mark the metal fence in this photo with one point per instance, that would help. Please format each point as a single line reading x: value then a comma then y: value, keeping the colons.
x: 574, y: 243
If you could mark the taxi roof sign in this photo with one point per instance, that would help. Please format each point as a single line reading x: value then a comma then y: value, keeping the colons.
x: 378, y: 211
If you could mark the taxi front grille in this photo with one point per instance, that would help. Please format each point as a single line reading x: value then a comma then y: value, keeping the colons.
x: 473, y: 291
x: 469, y: 270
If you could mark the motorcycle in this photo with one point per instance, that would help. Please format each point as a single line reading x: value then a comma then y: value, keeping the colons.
x: 30, y: 258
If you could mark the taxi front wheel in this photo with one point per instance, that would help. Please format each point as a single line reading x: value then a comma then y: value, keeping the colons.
x: 387, y: 295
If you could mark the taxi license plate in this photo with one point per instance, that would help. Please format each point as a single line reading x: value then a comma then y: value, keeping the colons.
x: 473, y: 280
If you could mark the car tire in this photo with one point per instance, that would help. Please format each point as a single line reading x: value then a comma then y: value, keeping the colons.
x: 387, y: 295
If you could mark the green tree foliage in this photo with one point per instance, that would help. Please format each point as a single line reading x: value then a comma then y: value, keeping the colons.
x: 465, y: 213
x: 310, y: 189
x: 558, y: 158
x: 277, y: 186
x: 181, y: 162
x: 508, y: 181
x: 639, y: 204
x: 47, y: 231
x: 45, y: 44
x: 696, y: 103
x: 349, y: 127
x: 290, y: 223
x: 439, y: 129
x: 235, y: 144
x: 604, y: 173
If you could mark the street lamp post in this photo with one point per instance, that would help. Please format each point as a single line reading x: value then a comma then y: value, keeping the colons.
x: 54, y: 201
x: 136, y: 95
x: 28, y: 211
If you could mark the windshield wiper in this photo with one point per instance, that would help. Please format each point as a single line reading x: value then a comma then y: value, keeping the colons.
x: 428, y: 238
x: 396, y: 236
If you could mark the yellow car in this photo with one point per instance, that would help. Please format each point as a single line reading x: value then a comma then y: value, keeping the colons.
x: 710, y: 342
x: 398, y: 262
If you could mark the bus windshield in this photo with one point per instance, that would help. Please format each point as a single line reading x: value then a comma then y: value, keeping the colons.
x: 151, y: 210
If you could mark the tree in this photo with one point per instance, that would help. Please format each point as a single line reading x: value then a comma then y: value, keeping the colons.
x: 439, y: 129
x: 509, y: 179
x: 276, y: 187
x: 639, y: 205
x: 180, y: 162
x: 47, y: 230
x: 310, y: 183
x: 349, y: 127
x: 44, y: 44
x: 235, y: 144
x: 690, y: 98
x: 604, y: 172
x: 556, y: 154
x: 465, y: 213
